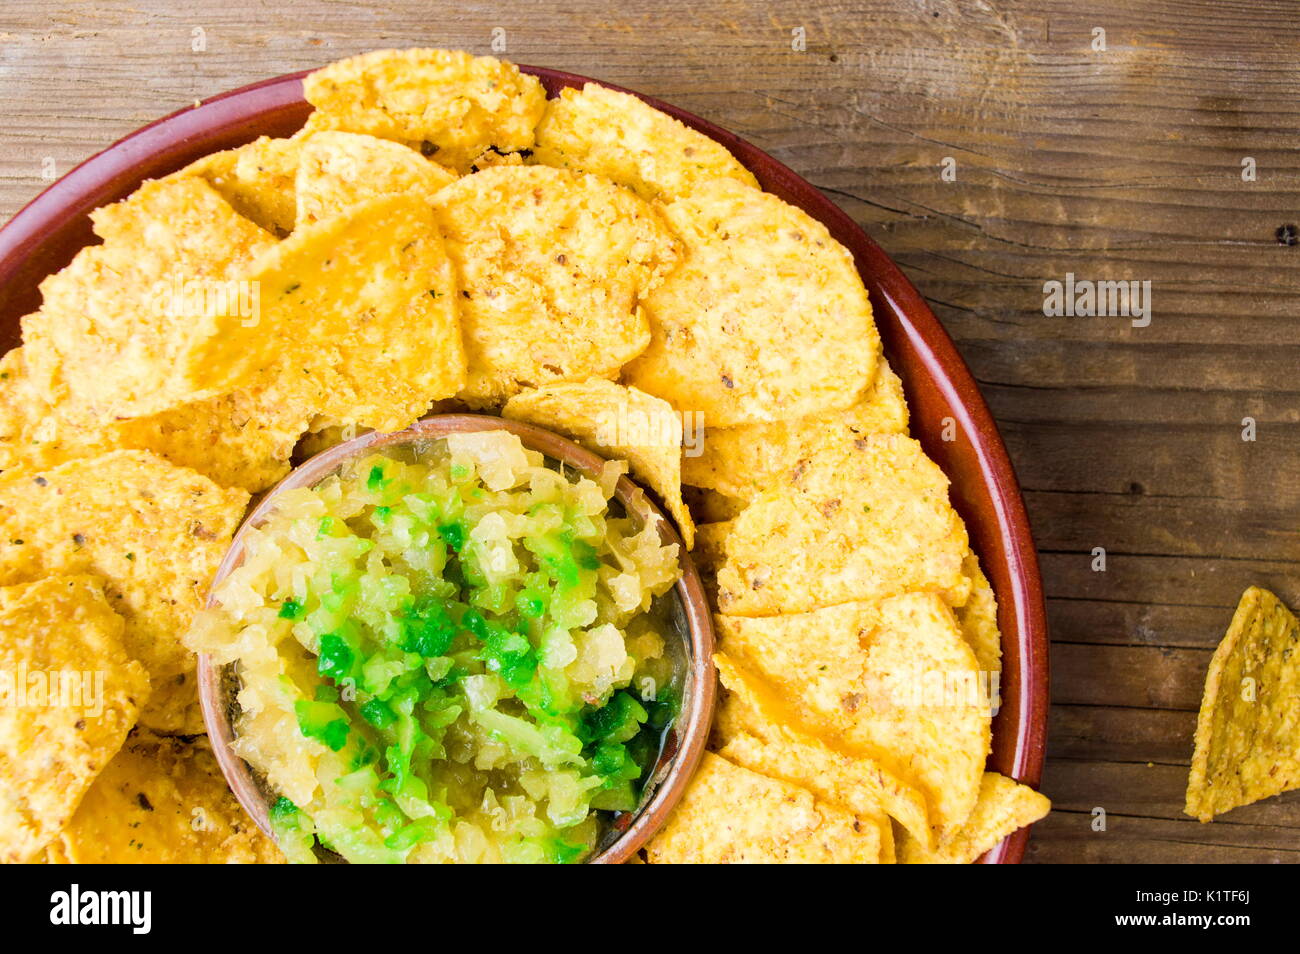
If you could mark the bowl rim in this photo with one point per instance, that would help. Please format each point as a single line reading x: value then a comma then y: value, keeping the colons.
x: 44, y: 235
x: 700, y: 684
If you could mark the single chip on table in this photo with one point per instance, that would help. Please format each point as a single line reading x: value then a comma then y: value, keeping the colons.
x: 154, y: 532
x: 173, y: 707
x: 69, y: 693
x: 257, y: 180
x: 979, y: 617
x: 741, y: 462
x: 1248, y: 730
x: 450, y: 104
x: 1004, y: 805
x: 857, y: 519
x: 760, y: 731
x: 113, y: 325
x: 337, y: 170
x: 616, y: 422
x: 358, y: 316
x: 553, y: 265
x: 892, y: 681
x: 622, y: 138
x: 244, y: 439
x: 162, y: 801
x: 730, y: 815
x: 766, y: 318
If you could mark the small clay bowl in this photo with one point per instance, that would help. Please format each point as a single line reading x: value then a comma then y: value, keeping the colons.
x: 688, y: 611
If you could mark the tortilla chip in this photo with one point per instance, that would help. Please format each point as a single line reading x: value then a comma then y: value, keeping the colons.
x: 52, y: 745
x: 173, y: 707
x: 1004, y: 806
x: 257, y: 180
x: 358, y: 311
x: 154, y: 532
x: 113, y: 307
x: 730, y: 815
x: 616, y: 422
x: 761, y: 732
x: 858, y: 519
x: 741, y: 462
x: 338, y: 170
x: 892, y: 681
x: 979, y: 617
x: 765, y: 320
x: 1248, y: 730
x: 450, y: 103
x: 163, y: 801
x: 244, y: 439
x: 620, y: 137
x: 552, y: 266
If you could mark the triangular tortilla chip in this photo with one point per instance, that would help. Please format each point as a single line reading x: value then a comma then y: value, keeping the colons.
x: 163, y: 801
x: 892, y: 681
x: 256, y: 179
x: 357, y: 311
x: 1004, y: 806
x: 979, y: 617
x: 858, y: 519
x: 761, y: 732
x: 1248, y: 730
x: 616, y: 422
x: 68, y: 696
x: 730, y: 815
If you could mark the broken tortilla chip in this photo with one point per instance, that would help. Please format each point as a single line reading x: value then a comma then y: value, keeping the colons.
x: 765, y: 319
x: 741, y: 462
x: 243, y: 439
x: 163, y: 801
x: 69, y: 695
x: 256, y: 179
x: 1004, y: 806
x: 338, y: 170
x: 552, y: 266
x: 892, y: 681
x: 154, y: 532
x: 625, y: 139
x: 357, y: 315
x: 761, y: 732
x: 126, y: 305
x: 858, y: 519
x: 730, y: 815
x: 1248, y: 730
x: 448, y: 103
x: 617, y: 422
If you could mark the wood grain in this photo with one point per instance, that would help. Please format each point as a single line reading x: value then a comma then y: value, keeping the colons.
x: 1116, y: 164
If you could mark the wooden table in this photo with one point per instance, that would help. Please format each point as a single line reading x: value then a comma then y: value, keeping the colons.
x: 1117, y: 163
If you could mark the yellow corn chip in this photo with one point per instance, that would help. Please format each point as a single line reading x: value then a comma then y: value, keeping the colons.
x: 741, y: 462
x: 616, y: 422
x: 730, y: 815
x: 122, y: 307
x: 761, y: 732
x: 621, y: 138
x: 1248, y: 730
x: 154, y: 532
x: 257, y: 180
x: 173, y: 707
x: 338, y: 170
x: 858, y: 519
x: 68, y: 696
x: 552, y: 265
x: 163, y: 801
x: 244, y: 439
x: 892, y: 681
x: 1004, y: 806
x: 766, y: 319
x: 357, y: 312
x: 979, y: 617
x: 450, y: 103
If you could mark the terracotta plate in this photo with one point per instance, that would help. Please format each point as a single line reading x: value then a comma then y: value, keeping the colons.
x: 45, y: 235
